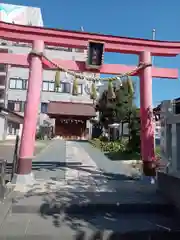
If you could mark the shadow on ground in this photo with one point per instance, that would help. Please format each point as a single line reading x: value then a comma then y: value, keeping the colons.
x: 103, y: 213
x: 100, y: 174
x: 53, y: 166
x: 120, y: 156
x: 81, y: 211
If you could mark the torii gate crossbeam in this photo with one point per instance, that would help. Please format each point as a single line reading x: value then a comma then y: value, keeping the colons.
x: 38, y: 36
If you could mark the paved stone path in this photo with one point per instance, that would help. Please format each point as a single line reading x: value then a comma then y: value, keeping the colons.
x: 86, y: 171
x: 75, y: 191
x: 50, y: 163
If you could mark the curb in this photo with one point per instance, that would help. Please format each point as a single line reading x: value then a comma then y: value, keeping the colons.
x: 131, y: 162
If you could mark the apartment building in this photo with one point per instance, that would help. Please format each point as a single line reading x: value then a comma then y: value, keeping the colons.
x: 14, y: 80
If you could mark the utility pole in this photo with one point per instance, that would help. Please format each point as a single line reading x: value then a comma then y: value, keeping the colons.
x: 153, y: 38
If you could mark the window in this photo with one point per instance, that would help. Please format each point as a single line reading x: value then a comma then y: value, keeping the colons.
x: 66, y: 87
x: 13, y: 128
x: 79, y: 50
x: 177, y: 108
x: 59, y: 89
x: 21, y: 44
x: 16, y: 106
x: 4, y: 43
x: 80, y: 89
x: 45, y: 86
x: 48, y: 86
x: 65, y: 49
x: 44, y: 107
x: 18, y: 83
x: 11, y: 105
x: 2, y: 67
x: 10, y: 129
x: 158, y: 124
x: 12, y: 83
x: 51, y: 87
x: 23, y: 104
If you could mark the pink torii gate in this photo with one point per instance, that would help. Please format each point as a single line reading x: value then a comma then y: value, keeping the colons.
x: 38, y: 36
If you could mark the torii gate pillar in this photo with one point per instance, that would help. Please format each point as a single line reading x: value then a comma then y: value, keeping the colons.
x: 146, y: 112
x: 31, y: 113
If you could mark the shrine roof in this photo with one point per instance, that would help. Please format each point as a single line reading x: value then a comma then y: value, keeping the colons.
x: 71, y: 109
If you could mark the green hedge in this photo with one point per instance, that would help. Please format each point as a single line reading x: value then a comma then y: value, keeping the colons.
x: 106, y: 146
x: 117, y: 149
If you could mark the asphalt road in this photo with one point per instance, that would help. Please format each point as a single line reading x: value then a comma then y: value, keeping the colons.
x: 7, y: 149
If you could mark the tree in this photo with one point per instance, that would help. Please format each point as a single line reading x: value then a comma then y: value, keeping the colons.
x: 93, y: 93
x: 134, y: 130
x: 115, y: 104
x: 121, y: 109
x: 106, y: 108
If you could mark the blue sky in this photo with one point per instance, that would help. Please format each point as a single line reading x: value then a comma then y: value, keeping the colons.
x: 123, y: 18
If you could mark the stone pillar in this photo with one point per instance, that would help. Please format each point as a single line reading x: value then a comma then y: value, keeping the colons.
x: 146, y: 111
x: 31, y: 110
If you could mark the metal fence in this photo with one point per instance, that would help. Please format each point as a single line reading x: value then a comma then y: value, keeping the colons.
x: 3, y: 164
x: 6, y: 169
x: 15, y: 157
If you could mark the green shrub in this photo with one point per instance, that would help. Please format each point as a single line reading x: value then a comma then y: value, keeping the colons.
x: 39, y: 135
x: 106, y: 146
x: 158, y: 151
x: 95, y: 142
x: 103, y: 138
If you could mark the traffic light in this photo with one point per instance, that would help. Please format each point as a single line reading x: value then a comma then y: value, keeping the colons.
x: 95, y: 55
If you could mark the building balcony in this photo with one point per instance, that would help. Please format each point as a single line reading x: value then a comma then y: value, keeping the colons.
x: 2, y: 73
x: 2, y: 87
x: 1, y: 100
